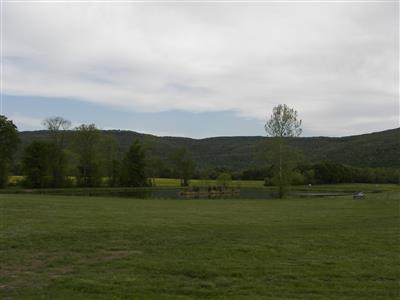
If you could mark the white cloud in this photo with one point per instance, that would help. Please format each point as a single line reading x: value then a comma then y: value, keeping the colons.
x: 26, y: 121
x: 336, y: 63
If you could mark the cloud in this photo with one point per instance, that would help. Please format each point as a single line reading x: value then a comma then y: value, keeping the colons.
x: 336, y: 63
x: 26, y: 121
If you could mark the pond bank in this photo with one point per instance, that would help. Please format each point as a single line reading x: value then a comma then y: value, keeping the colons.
x: 181, y: 193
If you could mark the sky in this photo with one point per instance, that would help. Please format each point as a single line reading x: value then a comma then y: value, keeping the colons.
x: 202, y: 69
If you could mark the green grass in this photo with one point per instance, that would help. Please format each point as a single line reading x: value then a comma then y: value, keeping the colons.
x: 59, y: 247
x: 13, y: 180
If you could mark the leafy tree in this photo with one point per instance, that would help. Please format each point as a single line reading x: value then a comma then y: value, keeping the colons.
x: 57, y: 127
x: 305, y: 169
x: 298, y: 178
x: 72, y: 160
x: 183, y: 165
x: 204, y: 176
x: 37, y: 161
x: 110, y: 161
x: 282, y: 124
x: 133, y: 172
x: 283, y: 163
x: 153, y: 163
x: 309, y: 176
x: 86, y: 144
x: 163, y: 169
x: 256, y: 173
x: 8, y: 145
x: 224, y: 179
x: 331, y: 172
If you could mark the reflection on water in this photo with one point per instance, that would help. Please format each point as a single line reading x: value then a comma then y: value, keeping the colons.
x: 176, y: 193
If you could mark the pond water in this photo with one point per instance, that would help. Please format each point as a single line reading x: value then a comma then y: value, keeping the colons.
x: 175, y: 193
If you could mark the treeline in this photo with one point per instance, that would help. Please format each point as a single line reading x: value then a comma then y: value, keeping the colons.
x: 326, y: 173
x: 303, y: 174
x: 93, y: 158
x: 91, y: 161
x: 331, y: 172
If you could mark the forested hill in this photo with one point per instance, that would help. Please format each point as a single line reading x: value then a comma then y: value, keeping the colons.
x: 379, y: 149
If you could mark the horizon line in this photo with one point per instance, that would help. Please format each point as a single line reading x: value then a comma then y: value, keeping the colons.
x: 223, y: 136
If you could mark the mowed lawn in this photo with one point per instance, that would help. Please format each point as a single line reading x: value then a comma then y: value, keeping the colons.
x: 59, y: 247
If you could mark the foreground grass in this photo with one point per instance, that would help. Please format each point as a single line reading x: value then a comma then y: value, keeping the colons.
x: 57, y: 247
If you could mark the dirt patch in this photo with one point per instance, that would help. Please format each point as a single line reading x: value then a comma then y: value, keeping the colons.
x: 39, y: 270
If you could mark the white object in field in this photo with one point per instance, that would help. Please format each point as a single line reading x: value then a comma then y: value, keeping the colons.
x: 359, y: 195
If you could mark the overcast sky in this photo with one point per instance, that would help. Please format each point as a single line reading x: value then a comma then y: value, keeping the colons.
x: 203, y: 69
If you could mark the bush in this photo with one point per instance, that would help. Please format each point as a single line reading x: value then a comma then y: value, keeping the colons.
x: 298, y: 179
x: 224, y: 180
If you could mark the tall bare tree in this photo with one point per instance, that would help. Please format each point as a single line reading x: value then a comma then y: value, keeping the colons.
x: 57, y: 127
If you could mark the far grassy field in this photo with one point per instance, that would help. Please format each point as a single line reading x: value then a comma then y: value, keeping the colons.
x: 171, y: 182
x: 59, y: 247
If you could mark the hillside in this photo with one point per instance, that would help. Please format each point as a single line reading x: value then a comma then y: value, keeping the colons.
x: 379, y: 149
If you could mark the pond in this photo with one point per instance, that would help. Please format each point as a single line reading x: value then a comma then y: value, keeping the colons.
x: 176, y: 193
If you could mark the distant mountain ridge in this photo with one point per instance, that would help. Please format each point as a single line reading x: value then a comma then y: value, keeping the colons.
x: 378, y: 149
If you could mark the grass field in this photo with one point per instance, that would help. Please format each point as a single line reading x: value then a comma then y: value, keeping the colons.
x: 171, y: 182
x: 59, y: 247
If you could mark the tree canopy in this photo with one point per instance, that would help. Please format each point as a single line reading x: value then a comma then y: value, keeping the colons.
x: 9, y: 140
x: 37, y: 164
x: 133, y: 171
x: 183, y: 165
x: 283, y: 122
x: 86, y: 143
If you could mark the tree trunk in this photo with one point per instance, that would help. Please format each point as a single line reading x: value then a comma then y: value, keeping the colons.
x: 280, y: 171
